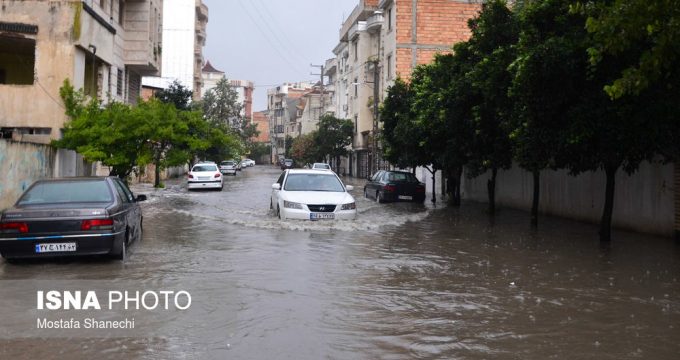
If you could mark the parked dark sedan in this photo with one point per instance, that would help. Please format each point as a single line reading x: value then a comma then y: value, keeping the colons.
x: 72, y: 216
x: 287, y: 164
x: 394, y: 186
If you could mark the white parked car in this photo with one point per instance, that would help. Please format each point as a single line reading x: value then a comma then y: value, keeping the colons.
x: 204, y: 176
x: 312, y: 195
x: 248, y: 162
x: 321, y: 166
x: 228, y: 167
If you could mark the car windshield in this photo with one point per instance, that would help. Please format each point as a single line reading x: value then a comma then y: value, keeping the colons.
x: 401, y: 177
x: 322, y: 166
x: 67, y: 192
x: 227, y: 163
x: 313, y: 182
x: 200, y: 168
x: 289, y: 162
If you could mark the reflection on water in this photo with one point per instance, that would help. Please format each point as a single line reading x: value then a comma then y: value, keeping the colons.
x: 403, y: 281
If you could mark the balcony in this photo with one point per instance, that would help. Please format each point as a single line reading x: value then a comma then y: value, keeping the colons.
x: 142, y: 52
x: 375, y: 22
x: 201, y: 11
x: 356, y: 29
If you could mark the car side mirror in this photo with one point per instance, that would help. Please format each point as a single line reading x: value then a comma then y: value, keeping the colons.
x: 349, y: 187
x: 141, y: 198
x: 276, y: 186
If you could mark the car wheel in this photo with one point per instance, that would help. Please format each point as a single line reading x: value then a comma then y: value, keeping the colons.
x: 379, y: 198
x: 122, y: 255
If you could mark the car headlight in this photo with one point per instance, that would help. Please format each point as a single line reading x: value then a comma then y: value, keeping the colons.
x: 292, y: 205
x: 350, y: 206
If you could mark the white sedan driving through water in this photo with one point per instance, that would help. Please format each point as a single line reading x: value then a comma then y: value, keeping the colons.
x: 312, y: 195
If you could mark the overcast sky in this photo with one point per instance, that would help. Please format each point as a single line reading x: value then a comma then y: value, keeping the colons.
x: 271, y: 42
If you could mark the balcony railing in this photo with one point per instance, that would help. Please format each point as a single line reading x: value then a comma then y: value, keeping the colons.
x: 374, y: 23
x: 356, y: 29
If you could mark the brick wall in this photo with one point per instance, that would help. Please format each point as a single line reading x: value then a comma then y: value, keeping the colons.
x: 439, y: 25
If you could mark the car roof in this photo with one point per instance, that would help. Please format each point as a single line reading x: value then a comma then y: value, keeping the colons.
x: 309, y: 171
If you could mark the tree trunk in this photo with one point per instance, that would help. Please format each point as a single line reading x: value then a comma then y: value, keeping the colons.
x: 443, y: 185
x: 491, y: 190
x: 453, y: 185
x: 606, y: 223
x: 534, y: 203
x: 157, y: 172
x: 434, y: 187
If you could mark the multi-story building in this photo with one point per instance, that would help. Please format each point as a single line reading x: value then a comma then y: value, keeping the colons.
x: 210, y: 77
x: 383, y: 39
x: 280, y: 101
x: 244, y: 88
x: 102, y: 46
x: 184, y: 31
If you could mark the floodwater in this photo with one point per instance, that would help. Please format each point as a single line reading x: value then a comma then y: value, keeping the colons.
x: 403, y: 281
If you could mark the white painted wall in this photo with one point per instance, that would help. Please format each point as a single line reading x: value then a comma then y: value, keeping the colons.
x: 643, y: 201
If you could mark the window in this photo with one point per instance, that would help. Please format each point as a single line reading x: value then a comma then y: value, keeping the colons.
x: 121, y: 11
x: 356, y: 87
x: 389, y: 19
x: 125, y: 196
x: 17, y: 60
x: 355, y: 48
x: 119, y: 83
x: 356, y: 123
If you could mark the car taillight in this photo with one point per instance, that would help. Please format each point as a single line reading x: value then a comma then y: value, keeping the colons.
x: 390, y: 188
x: 420, y: 189
x: 218, y: 175
x: 14, y: 227
x: 96, y: 224
x: 190, y: 176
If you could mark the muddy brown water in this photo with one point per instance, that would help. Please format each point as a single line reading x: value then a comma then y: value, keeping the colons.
x: 404, y: 281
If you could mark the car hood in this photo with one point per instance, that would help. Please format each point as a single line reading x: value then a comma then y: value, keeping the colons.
x: 317, y: 197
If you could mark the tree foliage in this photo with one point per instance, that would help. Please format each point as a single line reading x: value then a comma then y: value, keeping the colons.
x: 124, y: 137
x: 643, y: 34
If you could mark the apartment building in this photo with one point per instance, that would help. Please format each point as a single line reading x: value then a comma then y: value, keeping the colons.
x: 102, y: 46
x: 184, y: 31
x: 282, y: 106
x: 380, y: 40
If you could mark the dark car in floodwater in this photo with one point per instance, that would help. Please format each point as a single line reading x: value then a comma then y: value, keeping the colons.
x: 394, y: 186
x: 287, y: 164
x: 72, y: 216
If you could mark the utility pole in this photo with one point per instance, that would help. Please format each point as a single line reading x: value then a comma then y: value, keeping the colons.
x: 321, y: 98
x: 376, y: 91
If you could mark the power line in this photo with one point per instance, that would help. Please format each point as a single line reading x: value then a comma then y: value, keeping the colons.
x: 276, y: 24
x: 273, y: 44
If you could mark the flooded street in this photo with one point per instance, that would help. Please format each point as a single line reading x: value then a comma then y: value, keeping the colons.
x: 403, y: 281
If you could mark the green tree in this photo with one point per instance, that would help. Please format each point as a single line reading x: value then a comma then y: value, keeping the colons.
x: 542, y: 88
x: 176, y: 94
x: 304, y: 149
x: 222, y: 107
x: 494, y: 34
x: 643, y: 34
x: 107, y: 133
x: 334, y: 136
x: 400, y: 144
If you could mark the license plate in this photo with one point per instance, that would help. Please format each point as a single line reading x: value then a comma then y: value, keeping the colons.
x: 56, y: 247
x: 318, y: 216
x: 404, y: 197
x: 204, y: 178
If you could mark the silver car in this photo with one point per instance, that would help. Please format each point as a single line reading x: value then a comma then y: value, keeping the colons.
x: 228, y: 167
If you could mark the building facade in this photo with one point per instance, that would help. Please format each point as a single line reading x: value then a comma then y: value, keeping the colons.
x: 184, y: 29
x: 379, y: 41
x: 103, y: 47
x: 280, y: 101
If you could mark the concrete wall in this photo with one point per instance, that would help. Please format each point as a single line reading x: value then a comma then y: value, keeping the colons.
x: 21, y: 164
x: 643, y: 201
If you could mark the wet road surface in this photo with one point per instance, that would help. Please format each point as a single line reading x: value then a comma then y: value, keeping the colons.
x: 403, y: 281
